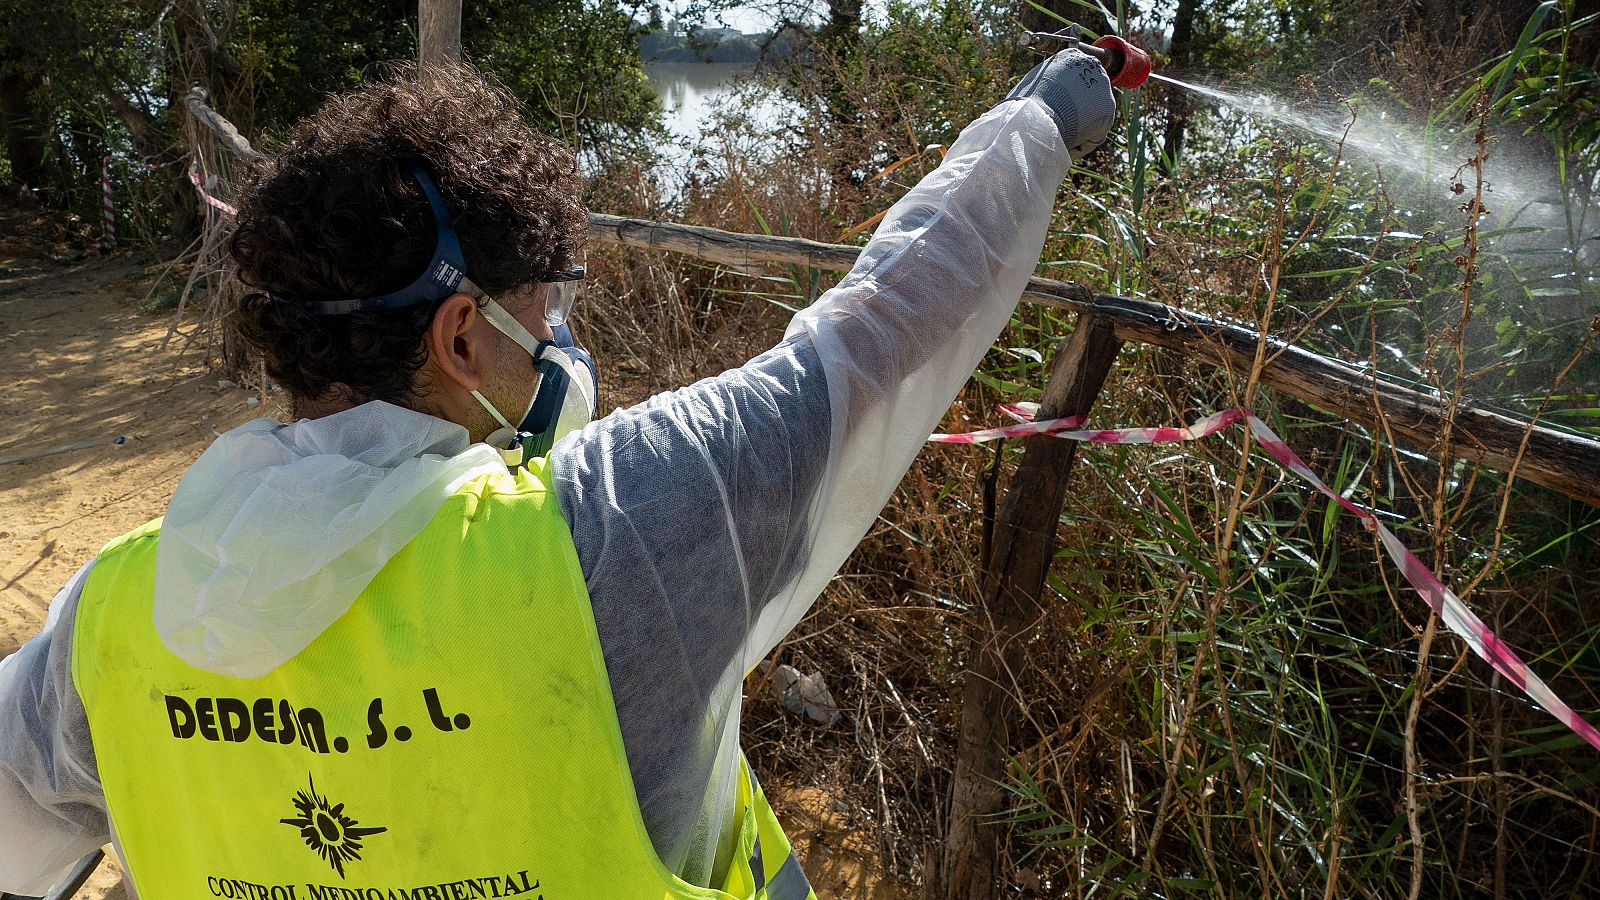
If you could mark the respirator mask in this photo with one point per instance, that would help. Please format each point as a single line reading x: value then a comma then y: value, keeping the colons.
x: 563, y: 400
x: 564, y: 393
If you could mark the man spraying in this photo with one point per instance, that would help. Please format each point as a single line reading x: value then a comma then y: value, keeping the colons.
x: 443, y: 636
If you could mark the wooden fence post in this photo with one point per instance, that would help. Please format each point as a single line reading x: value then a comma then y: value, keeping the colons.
x: 439, y: 30
x: 1013, y: 581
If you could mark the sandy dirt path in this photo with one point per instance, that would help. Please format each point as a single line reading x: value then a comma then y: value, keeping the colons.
x: 80, y: 363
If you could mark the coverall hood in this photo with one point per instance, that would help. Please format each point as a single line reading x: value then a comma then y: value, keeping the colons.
x: 276, y: 529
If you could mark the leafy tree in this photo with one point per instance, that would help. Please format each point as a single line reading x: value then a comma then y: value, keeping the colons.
x: 89, y: 77
x: 300, y: 51
x: 81, y: 78
x: 575, y: 63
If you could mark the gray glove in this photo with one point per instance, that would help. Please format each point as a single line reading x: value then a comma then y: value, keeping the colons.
x: 1074, y: 87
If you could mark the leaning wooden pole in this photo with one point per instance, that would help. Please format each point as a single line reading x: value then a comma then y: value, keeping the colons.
x: 439, y: 30
x: 1013, y: 583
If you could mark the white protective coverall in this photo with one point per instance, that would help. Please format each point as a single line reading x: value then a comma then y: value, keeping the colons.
x: 780, y: 465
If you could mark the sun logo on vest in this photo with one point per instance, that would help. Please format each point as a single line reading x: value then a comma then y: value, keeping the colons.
x: 335, y: 836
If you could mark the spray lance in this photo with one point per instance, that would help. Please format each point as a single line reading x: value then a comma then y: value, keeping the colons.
x: 1127, y: 65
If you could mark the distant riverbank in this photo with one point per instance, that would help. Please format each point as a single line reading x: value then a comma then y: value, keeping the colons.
x: 714, y: 45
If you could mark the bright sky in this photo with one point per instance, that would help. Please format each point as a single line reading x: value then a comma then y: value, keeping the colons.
x: 746, y: 20
x: 752, y: 17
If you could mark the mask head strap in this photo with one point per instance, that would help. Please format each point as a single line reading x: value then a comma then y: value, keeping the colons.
x: 551, y: 361
x: 439, y: 280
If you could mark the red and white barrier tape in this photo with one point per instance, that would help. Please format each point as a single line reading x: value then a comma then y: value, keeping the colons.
x: 194, y: 178
x: 1455, y: 614
x: 108, y: 209
x: 110, y: 238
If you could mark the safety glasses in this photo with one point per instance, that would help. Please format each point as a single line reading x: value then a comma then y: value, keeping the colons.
x: 559, y: 299
x: 562, y: 294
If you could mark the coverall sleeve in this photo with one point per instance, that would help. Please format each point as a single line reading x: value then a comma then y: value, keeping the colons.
x: 904, y: 329
x: 708, y: 520
x: 52, y: 811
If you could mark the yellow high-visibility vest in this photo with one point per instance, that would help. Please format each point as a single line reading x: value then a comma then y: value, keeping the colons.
x: 452, y: 736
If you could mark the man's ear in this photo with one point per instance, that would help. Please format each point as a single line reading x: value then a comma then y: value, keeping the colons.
x: 459, y: 346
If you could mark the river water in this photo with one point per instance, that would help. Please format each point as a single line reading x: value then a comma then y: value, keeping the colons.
x: 690, y: 94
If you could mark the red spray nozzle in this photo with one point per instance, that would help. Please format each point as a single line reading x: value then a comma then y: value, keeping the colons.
x: 1129, y: 66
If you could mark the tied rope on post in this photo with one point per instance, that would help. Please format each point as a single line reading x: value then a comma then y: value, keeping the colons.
x: 1452, y: 610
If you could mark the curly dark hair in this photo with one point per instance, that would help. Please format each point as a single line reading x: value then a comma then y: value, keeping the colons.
x: 336, y: 214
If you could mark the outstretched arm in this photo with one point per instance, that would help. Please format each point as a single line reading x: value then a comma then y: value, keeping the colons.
x: 708, y: 520
x: 900, y: 334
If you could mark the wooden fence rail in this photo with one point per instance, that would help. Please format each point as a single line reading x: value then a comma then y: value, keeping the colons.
x: 1564, y: 462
